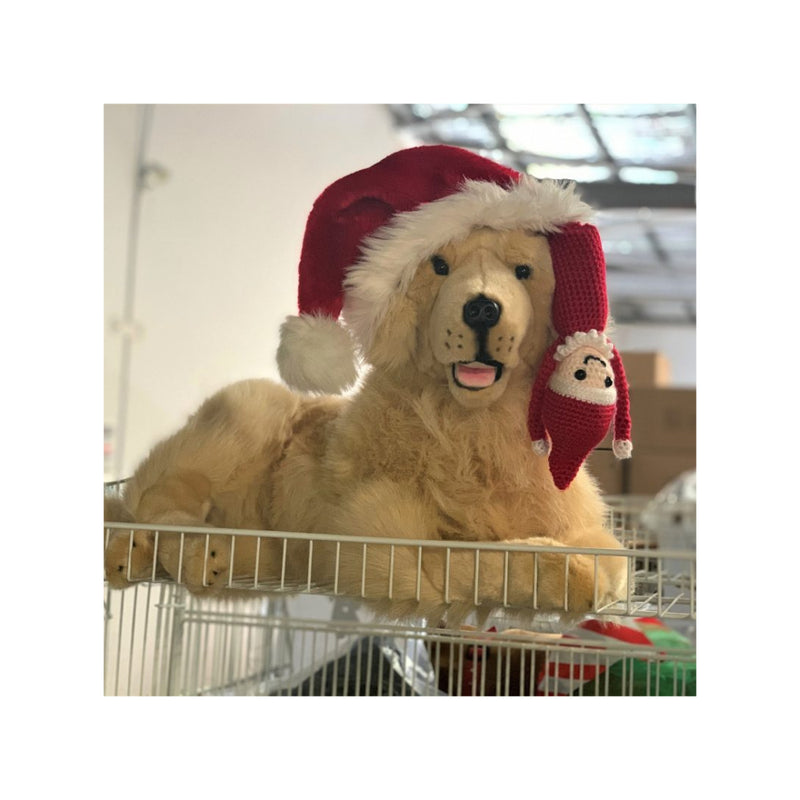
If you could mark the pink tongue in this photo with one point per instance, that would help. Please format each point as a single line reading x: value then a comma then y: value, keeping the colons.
x: 475, y: 377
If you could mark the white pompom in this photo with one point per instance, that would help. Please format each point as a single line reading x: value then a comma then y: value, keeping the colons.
x: 623, y: 448
x: 541, y: 447
x: 316, y: 354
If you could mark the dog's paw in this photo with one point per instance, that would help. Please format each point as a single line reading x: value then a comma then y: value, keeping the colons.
x: 128, y: 558
x: 573, y: 583
x: 201, y: 561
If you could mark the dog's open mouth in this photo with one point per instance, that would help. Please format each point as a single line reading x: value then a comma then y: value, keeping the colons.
x: 476, y: 375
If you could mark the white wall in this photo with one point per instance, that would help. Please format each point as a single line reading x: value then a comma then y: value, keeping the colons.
x: 218, y: 244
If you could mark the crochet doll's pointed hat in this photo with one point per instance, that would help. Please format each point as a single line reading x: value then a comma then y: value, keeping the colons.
x: 569, y: 414
x: 580, y: 313
x: 368, y: 232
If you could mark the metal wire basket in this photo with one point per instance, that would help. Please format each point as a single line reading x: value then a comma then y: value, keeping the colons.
x: 286, y: 633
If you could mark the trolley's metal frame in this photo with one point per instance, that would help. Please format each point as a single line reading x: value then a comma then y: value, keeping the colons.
x: 160, y: 639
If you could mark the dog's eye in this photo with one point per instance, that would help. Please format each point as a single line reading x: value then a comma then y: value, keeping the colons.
x: 440, y: 266
x: 522, y: 271
x: 580, y: 374
x: 609, y: 382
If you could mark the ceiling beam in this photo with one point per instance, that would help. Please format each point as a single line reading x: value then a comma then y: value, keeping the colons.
x: 615, y: 194
x: 650, y: 286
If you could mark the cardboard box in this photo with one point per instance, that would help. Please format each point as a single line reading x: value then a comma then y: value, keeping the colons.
x: 650, y: 471
x: 608, y: 470
x: 650, y: 370
x: 663, y: 418
x: 664, y: 422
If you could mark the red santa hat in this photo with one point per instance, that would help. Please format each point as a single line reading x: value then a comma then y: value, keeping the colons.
x: 368, y: 232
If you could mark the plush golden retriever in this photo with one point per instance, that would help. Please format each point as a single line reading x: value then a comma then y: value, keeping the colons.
x: 433, y: 446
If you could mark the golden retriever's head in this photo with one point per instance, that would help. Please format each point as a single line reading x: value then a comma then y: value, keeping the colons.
x: 427, y: 240
x: 475, y: 314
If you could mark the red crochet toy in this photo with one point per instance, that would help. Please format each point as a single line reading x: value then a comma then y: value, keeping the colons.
x: 580, y: 390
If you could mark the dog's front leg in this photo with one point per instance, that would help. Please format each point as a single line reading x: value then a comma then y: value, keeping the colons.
x: 181, y: 498
x: 129, y: 554
x: 415, y: 578
x: 425, y: 579
x: 550, y: 578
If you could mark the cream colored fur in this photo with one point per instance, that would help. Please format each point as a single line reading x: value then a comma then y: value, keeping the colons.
x: 411, y: 455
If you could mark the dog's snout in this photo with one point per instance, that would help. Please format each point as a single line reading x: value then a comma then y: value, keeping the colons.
x: 481, y: 312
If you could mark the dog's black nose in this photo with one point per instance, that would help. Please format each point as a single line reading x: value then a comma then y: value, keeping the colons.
x: 481, y: 312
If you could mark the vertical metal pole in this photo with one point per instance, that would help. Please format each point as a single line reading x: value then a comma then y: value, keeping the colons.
x: 132, y: 642
x: 127, y: 325
x: 176, y: 642
x: 106, y: 655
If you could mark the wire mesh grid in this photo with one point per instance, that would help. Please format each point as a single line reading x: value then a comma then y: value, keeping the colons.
x: 660, y: 582
x: 162, y: 639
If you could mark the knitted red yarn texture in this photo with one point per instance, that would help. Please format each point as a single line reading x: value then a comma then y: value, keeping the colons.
x: 622, y: 418
x: 355, y: 206
x: 575, y: 429
x: 580, y: 302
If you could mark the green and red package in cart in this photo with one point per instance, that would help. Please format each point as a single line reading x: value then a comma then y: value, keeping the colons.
x: 661, y: 663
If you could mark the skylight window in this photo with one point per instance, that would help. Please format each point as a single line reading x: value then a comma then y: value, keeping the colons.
x: 647, y: 175
x: 581, y: 173
x: 560, y: 137
x: 465, y: 131
x: 646, y: 139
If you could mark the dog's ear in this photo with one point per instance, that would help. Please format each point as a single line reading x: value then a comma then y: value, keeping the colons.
x: 395, y: 340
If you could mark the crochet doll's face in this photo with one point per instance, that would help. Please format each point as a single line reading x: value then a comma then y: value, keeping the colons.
x: 488, y: 308
x: 585, y: 374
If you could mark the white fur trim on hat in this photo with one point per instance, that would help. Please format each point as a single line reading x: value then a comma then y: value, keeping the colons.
x: 580, y: 339
x: 316, y: 354
x: 392, y: 254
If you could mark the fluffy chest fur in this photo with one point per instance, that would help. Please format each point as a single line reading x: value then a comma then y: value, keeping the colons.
x: 472, y: 470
